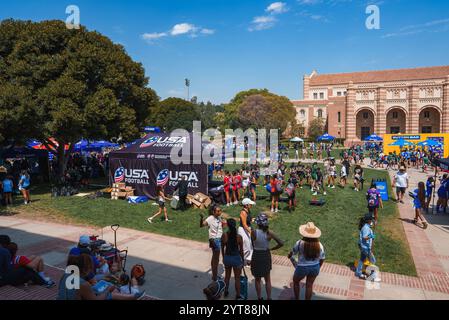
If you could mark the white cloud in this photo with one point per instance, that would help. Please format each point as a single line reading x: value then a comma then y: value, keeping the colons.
x: 277, y: 8
x: 207, y: 31
x: 262, y: 23
x: 420, y: 28
x: 154, y: 35
x: 309, y: 2
x: 183, y: 28
x: 178, y: 29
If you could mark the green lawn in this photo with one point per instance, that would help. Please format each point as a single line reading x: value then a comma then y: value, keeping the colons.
x: 338, y: 220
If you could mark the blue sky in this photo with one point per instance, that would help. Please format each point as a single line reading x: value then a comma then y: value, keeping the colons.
x: 225, y: 46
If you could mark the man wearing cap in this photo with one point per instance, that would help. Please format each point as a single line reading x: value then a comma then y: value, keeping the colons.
x: 400, y: 181
x: 99, y: 264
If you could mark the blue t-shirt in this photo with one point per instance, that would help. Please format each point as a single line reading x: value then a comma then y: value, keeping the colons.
x: 366, y: 232
x: 416, y: 202
x: 76, y: 251
x: 25, y: 181
x: 429, y: 189
x: 7, y: 185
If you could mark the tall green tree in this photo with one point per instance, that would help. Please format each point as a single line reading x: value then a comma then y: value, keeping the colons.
x: 231, y: 109
x: 175, y: 113
x: 316, y: 128
x: 68, y: 84
x: 265, y: 110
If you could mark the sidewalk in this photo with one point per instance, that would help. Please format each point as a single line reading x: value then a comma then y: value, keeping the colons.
x: 179, y: 269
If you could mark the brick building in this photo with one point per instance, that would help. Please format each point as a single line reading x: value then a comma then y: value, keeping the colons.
x: 358, y: 104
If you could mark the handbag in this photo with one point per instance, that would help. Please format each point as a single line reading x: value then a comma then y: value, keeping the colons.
x: 244, y: 285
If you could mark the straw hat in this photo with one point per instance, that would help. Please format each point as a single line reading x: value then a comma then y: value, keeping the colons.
x: 309, y: 230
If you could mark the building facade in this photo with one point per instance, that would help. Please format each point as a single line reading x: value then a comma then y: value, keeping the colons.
x: 355, y: 105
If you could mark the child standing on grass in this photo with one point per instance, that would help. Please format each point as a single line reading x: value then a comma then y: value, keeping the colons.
x: 227, y: 187
x: 291, y: 192
x: 343, y: 176
x: 319, y: 183
x: 374, y: 201
x: 7, y: 190
x: 332, y: 174
x: 161, y: 201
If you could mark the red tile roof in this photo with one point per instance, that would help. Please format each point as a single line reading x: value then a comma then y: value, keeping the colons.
x: 381, y: 76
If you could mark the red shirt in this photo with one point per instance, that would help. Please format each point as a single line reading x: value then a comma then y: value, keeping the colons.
x: 226, y: 182
x: 20, y: 261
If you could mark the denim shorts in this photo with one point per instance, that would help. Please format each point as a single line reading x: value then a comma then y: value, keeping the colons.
x: 307, y: 271
x: 217, y: 243
x: 233, y: 261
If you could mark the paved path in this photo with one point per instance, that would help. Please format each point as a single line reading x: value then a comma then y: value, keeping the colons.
x: 179, y: 269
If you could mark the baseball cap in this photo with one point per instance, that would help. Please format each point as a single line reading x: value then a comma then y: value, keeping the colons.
x: 84, y: 240
x: 247, y: 201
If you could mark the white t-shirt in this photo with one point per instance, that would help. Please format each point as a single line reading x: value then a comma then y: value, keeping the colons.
x: 127, y: 290
x: 215, y: 227
x: 343, y: 171
x: 299, y: 250
x: 401, y: 179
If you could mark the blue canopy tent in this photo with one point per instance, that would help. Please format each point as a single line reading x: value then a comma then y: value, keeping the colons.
x: 326, y: 137
x: 401, y: 143
x: 374, y: 138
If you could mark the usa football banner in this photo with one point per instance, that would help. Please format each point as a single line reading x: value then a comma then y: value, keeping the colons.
x: 144, y: 175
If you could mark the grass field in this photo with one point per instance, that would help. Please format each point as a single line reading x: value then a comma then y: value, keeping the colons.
x: 338, y: 219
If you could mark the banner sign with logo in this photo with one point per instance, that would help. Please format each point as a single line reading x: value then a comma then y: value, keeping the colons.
x: 382, y: 187
x: 145, y: 175
x: 146, y: 165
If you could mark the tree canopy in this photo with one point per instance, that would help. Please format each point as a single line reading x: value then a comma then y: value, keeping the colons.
x: 68, y: 84
x: 316, y: 128
x: 259, y: 109
x: 175, y: 113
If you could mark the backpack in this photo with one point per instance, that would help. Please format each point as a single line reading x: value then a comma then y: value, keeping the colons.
x: 279, y: 186
x: 138, y: 272
x: 289, y: 189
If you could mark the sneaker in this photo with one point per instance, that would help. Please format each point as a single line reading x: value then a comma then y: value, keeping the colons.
x: 315, y: 194
x: 49, y: 284
x: 139, y: 295
x: 236, y: 202
x: 150, y: 220
x: 424, y: 224
x: 324, y: 193
x: 362, y: 276
x: 227, y: 204
x: 333, y: 187
x: 272, y: 210
x: 168, y: 220
x: 276, y: 211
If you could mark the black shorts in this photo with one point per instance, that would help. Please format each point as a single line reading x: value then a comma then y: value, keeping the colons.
x: 400, y: 190
x: 25, y: 188
x: 161, y: 204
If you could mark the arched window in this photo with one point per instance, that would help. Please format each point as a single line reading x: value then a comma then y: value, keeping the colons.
x: 303, y: 113
x: 320, y: 113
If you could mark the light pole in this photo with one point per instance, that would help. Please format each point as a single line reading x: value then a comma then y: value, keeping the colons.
x: 187, y: 81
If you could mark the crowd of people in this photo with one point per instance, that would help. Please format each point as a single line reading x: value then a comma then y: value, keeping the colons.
x: 249, y: 245
x: 97, y: 279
